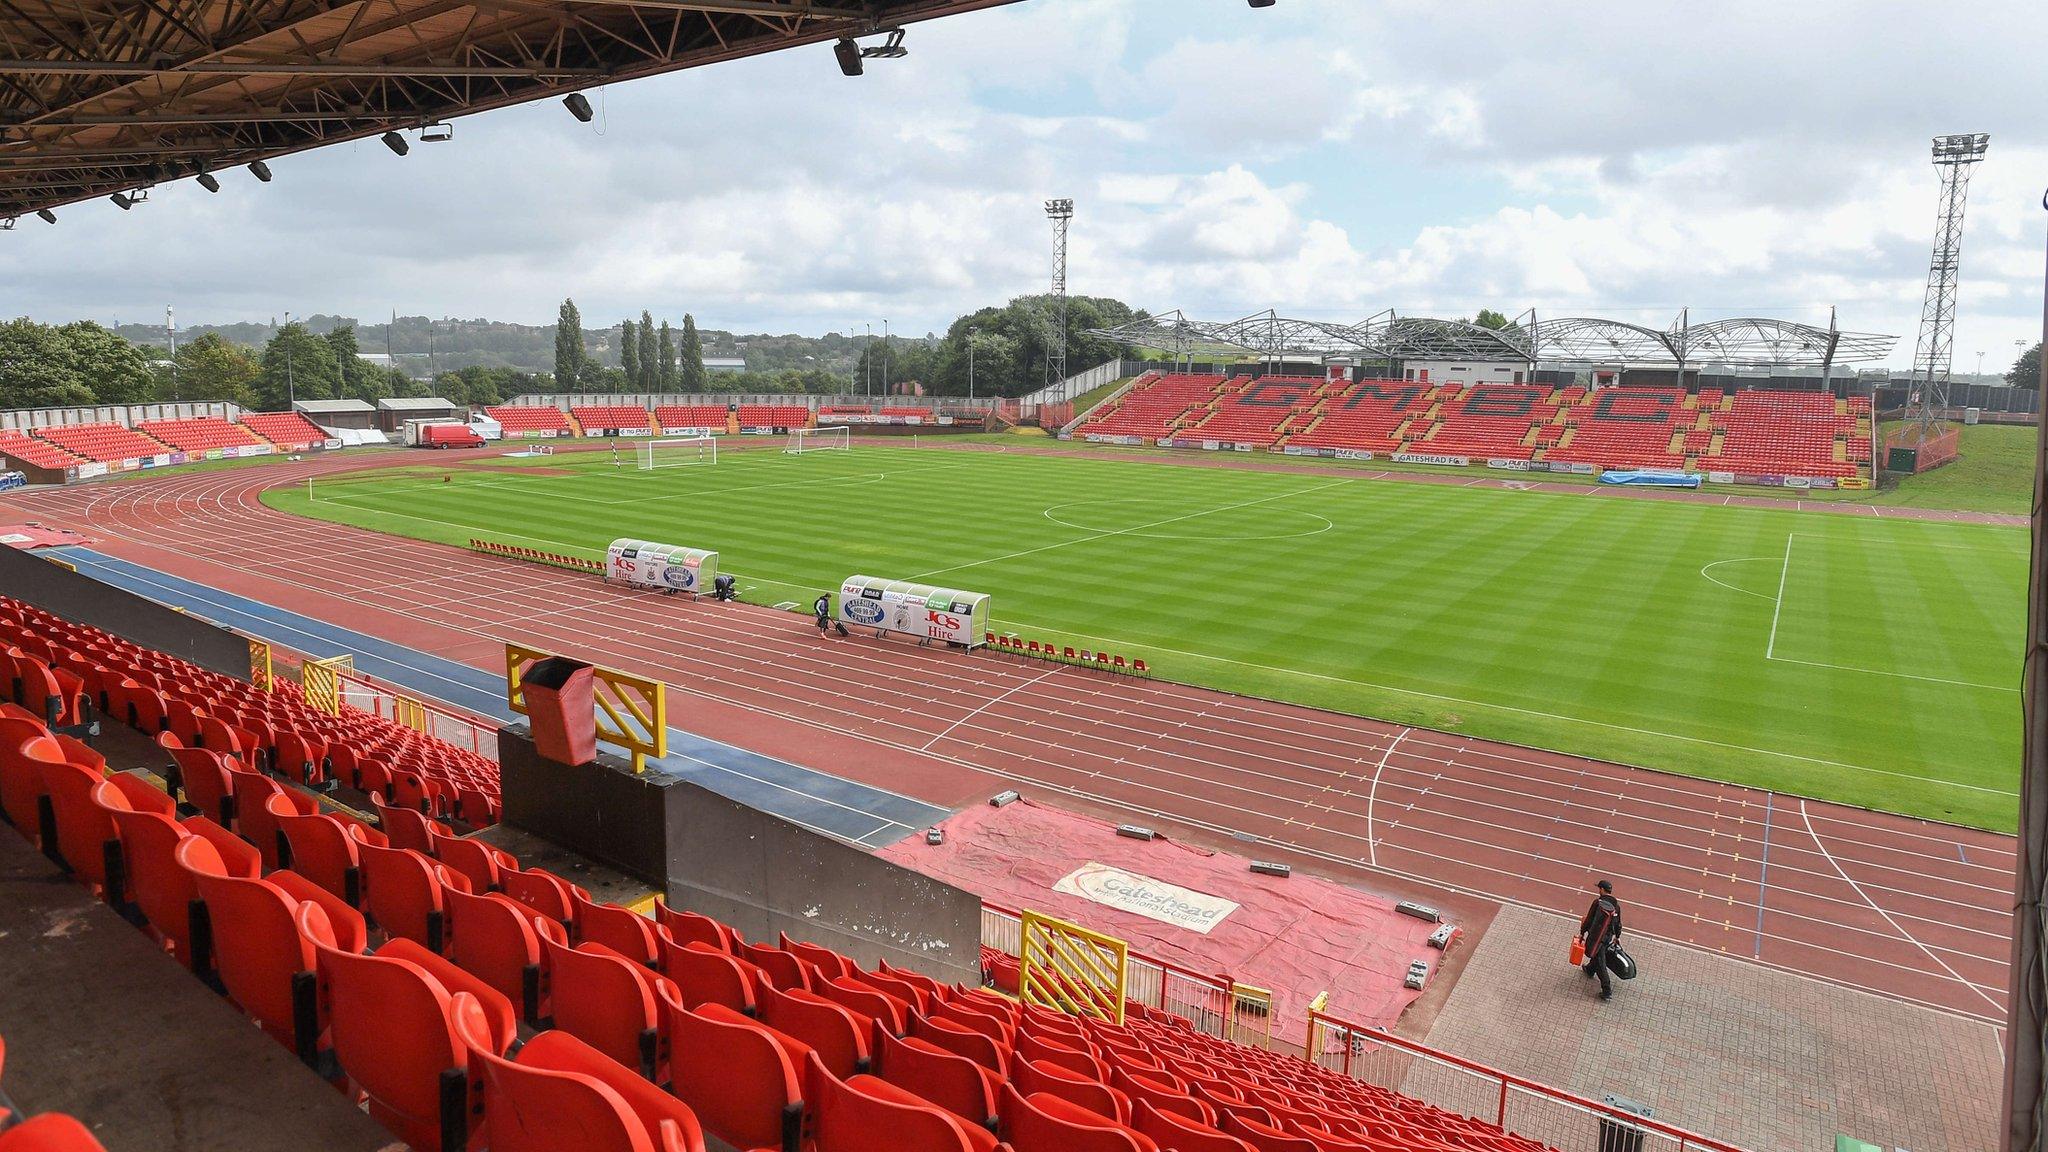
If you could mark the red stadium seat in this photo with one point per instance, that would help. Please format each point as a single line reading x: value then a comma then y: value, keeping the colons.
x: 685, y: 927
x: 952, y: 1082
x: 785, y: 968
x: 599, y: 998
x: 50, y: 1132
x: 541, y: 891
x: 323, y: 850
x: 865, y: 1114
x: 475, y: 861
x: 961, y: 1041
x: 82, y: 829
x: 402, y: 893
x: 620, y: 929
x: 203, y: 777
x: 1045, y: 1123
x: 560, y: 1093
x: 498, y: 940
x: 1183, y: 1134
x: 835, y: 1033
x: 703, y: 976
x: 261, y: 949
x: 1035, y: 1076
x: 738, y: 1078
x: 831, y: 964
x: 892, y: 1013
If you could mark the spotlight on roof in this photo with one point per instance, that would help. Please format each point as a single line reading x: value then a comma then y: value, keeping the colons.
x: 48, y: 216
x: 438, y: 132
x: 261, y: 170
x: 578, y: 105
x: 208, y: 181
x: 6, y: 223
x: 1262, y: 3
x: 122, y: 201
x: 848, y: 52
x: 396, y: 143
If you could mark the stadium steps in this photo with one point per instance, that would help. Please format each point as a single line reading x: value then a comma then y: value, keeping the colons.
x: 575, y: 425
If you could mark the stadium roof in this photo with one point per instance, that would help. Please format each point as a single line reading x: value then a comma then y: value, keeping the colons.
x: 331, y: 407
x: 413, y: 403
x: 1743, y: 342
x: 106, y: 96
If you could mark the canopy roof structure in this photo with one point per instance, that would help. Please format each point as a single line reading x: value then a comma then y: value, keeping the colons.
x: 99, y: 97
x: 1748, y: 342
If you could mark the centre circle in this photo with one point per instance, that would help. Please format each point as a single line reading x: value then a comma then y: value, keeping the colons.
x: 1155, y: 524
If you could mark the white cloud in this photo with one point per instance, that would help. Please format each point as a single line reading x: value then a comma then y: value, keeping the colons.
x: 1329, y: 158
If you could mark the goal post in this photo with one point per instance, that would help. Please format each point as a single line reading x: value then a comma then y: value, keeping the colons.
x: 677, y: 452
x: 832, y: 438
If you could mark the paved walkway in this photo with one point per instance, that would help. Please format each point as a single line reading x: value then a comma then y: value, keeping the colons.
x: 1765, y: 1059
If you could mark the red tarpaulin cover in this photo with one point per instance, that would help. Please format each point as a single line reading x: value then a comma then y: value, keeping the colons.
x: 1296, y: 936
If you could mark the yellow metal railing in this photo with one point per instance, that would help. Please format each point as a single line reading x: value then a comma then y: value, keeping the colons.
x: 1072, y: 969
x: 1251, y: 1016
x: 262, y: 671
x: 320, y: 679
x: 632, y: 711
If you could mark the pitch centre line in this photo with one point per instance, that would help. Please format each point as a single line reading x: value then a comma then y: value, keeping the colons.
x: 1771, y: 645
x: 1133, y: 528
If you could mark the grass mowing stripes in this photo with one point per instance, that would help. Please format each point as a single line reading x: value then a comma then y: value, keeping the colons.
x: 1632, y: 630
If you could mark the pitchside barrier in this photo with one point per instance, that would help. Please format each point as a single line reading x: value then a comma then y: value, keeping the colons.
x: 1561, y: 1120
x: 661, y: 567
x: 632, y: 711
x: 1064, y: 966
x: 919, y: 610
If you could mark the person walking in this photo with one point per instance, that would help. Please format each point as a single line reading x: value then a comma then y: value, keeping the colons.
x: 823, y: 609
x: 1601, y: 931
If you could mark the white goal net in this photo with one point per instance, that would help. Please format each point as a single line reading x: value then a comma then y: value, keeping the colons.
x: 675, y: 453
x: 832, y: 439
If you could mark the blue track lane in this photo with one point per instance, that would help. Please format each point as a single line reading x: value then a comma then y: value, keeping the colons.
x: 826, y: 803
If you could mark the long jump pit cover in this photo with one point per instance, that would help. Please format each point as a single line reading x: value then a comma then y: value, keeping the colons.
x: 1201, y: 910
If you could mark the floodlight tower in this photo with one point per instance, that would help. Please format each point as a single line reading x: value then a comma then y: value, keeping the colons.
x: 1061, y: 213
x: 1954, y: 156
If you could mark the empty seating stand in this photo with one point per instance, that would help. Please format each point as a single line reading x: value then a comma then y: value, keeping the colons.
x: 203, y: 434
x: 1155, y: 406
x: 1255, y: 411
x: 611, y: 419
x: 103, y: 443
x: 287, y: 430
x: 693, y: 417
x: 760, y: 416
x: 26, y: 449
x: 523, y: 420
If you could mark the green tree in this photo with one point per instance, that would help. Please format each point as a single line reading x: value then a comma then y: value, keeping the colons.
x: 2026, y: 371
x: 629, y: 350
x: 648, y: 378
x: 210, y: 368
x: 359, y: 379
x: 36, y: 369
x: 665, y: 380
x: 1488, y: 318
x: 296, y: 365
x: 110, y: 368
x: 569, y: 356
x: 691, y: 355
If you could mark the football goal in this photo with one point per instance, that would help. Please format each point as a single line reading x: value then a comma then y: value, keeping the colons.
x: 832, y: 439
x: 674, y: 453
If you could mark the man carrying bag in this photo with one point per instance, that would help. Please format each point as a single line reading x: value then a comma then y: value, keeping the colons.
x: 1600, y: 933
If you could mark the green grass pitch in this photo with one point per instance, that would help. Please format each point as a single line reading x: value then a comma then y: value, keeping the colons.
x: 1870, y: 661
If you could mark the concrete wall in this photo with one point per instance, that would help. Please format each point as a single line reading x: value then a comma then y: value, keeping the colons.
x: 84, y: 600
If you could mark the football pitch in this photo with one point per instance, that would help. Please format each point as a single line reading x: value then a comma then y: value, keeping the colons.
x: 1874, y: 662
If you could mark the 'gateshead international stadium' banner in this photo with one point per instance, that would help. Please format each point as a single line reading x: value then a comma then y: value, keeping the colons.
x: 1144, y: 896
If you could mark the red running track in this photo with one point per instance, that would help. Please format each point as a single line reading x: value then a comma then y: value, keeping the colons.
x: 1910, y: 909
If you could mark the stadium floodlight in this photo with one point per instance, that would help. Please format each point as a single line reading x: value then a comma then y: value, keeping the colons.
x: 207, y: 181
x: 48, y: 216
x: 6, y: 224
x: 578, y: 105
x: 1262, y: 3
x: 260, y: 170
x: 122, y: 201
x: 395, y: 142
x: 438, y: 132
x: 848, y: 52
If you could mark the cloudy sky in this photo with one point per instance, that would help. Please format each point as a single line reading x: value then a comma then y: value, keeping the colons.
x: 1329, y: 158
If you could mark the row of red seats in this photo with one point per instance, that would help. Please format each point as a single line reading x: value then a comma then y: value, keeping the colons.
x: 517, y: 419
x: 693, y: 417
x: 1154, y: 405
x: 201, y: 434
x: 774, y: 416
x: 1065, y: 654
x: 287, y: 430
x: 200, y: 708
x: 20, y: 446
x: 105, y: 443
x: 47, y: 1132
x: 611, y: 417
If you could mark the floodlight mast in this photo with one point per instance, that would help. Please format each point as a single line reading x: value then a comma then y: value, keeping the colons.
x: 1954, y: 157
x: 1061, y: 213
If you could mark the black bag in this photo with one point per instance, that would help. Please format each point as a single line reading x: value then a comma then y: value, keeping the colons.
x: 1619, y: 962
